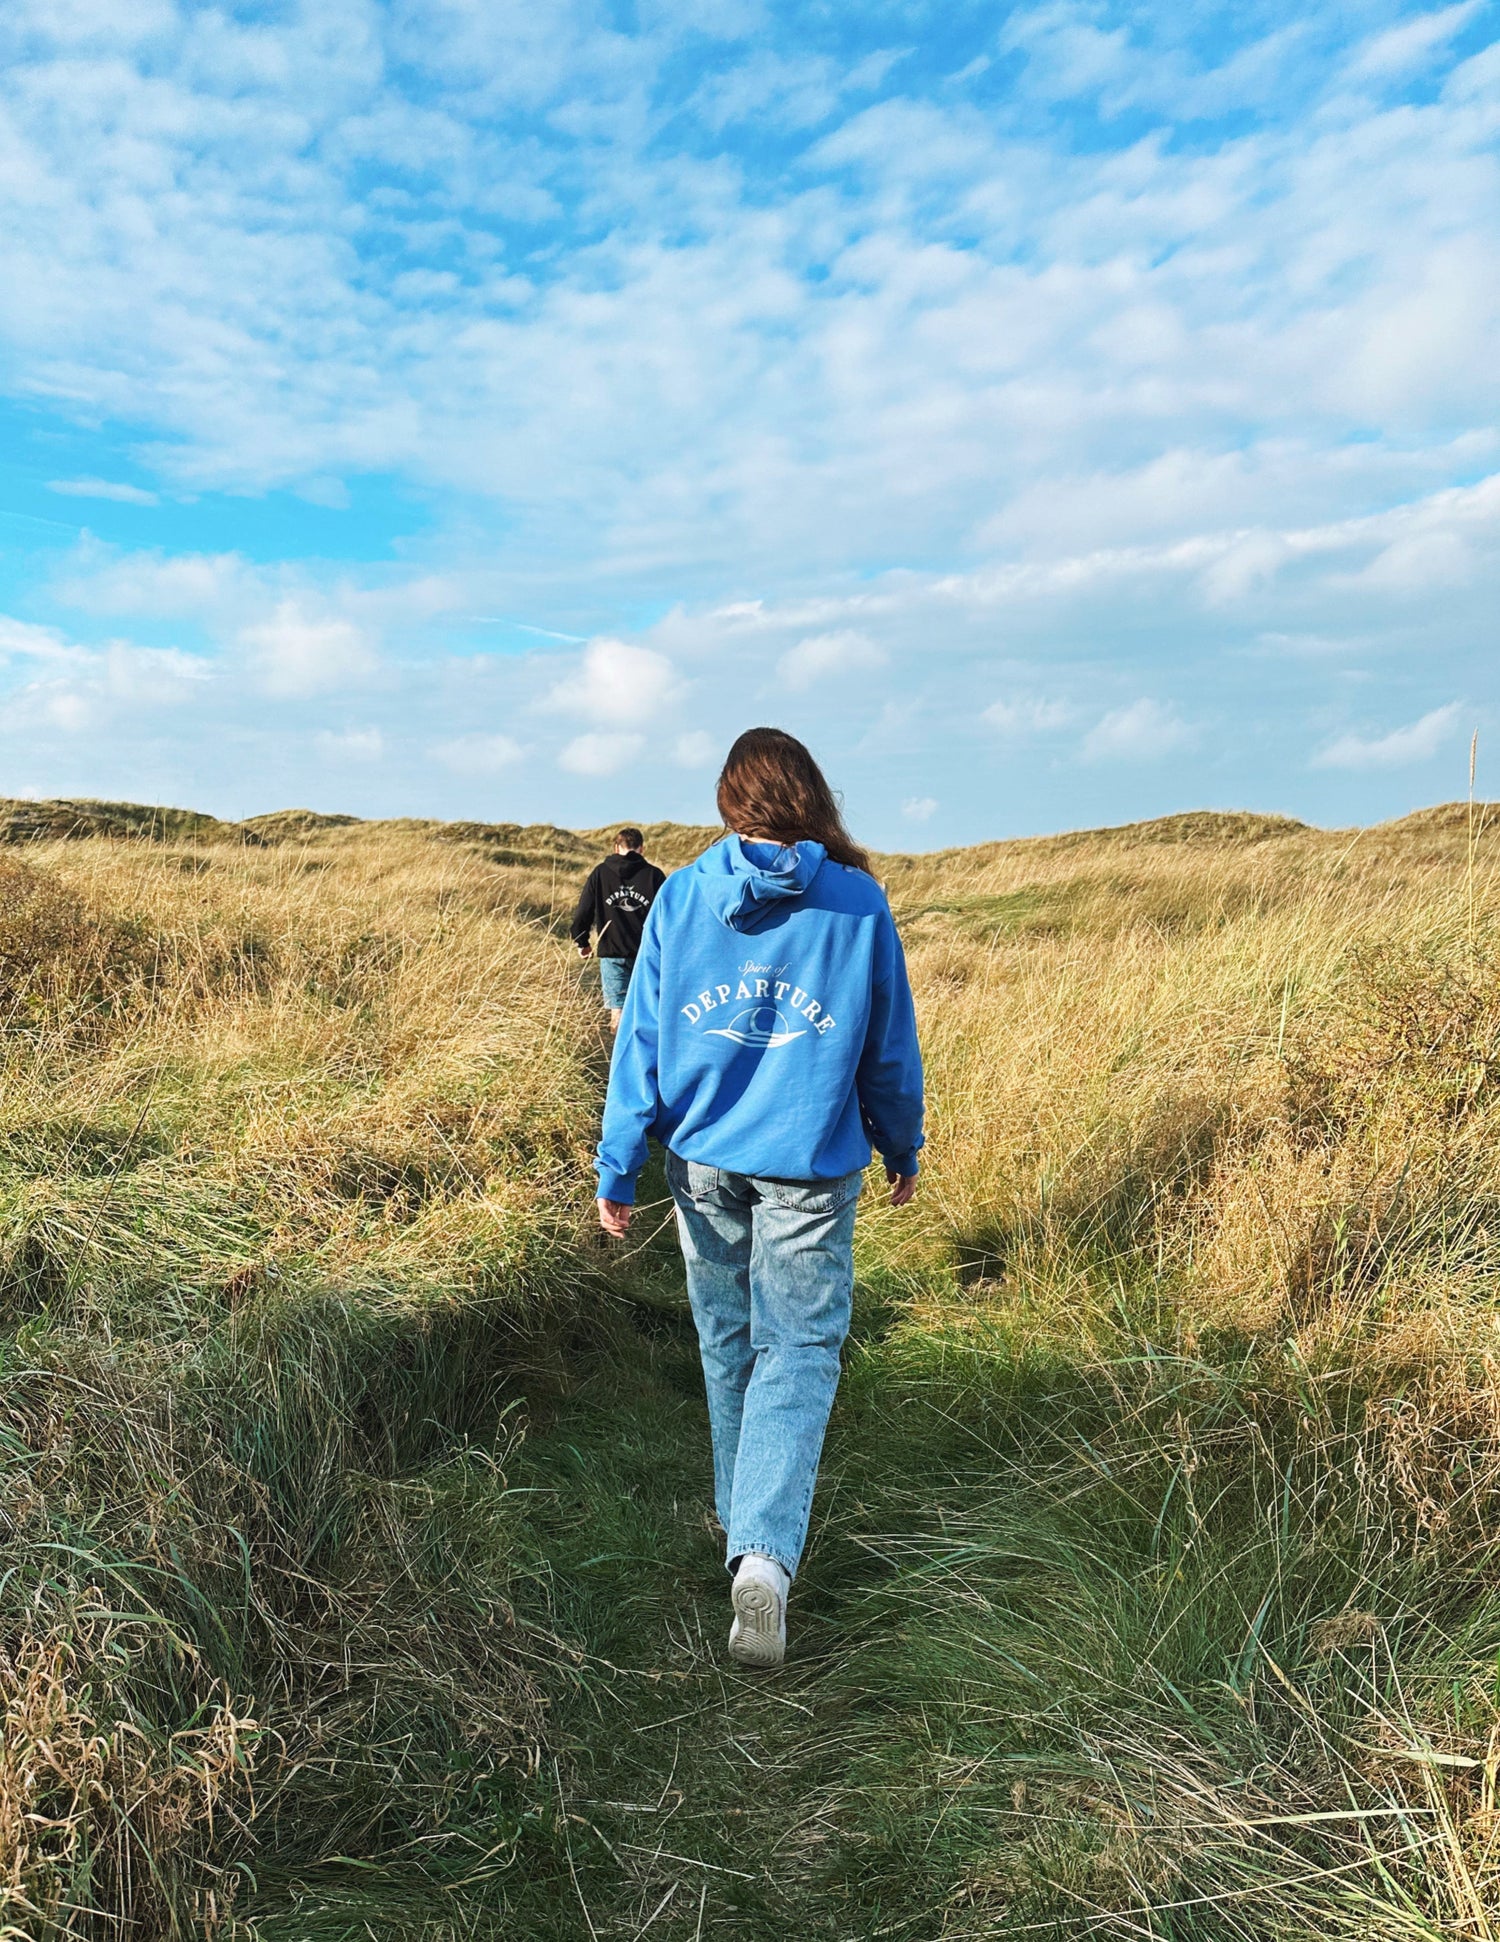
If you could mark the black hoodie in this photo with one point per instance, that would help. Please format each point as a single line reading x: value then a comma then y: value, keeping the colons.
x: 614, y: 903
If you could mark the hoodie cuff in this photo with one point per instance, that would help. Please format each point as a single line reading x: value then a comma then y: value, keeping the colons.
x: 903, y: 1163
x: 618, y: 1187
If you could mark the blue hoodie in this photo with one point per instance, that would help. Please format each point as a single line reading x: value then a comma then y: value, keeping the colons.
x: 768, y: 1028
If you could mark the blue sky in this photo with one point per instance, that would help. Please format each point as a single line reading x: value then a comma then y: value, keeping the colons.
x: 1057, y: 413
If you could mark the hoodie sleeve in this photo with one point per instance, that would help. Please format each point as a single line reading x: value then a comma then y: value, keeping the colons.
x: 632, y: 1103
x: 889, y: 1078
x: 587, y: 911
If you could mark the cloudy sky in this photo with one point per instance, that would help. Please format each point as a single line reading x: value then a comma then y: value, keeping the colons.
x: 1057, y: 413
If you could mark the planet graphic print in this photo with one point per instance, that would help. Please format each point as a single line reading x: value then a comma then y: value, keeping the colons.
x: 759, y: 1025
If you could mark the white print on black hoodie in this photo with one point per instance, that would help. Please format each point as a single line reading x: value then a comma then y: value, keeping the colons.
x: 619, y: 892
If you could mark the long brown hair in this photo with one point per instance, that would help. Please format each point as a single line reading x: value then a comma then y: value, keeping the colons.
x: 771, y: 788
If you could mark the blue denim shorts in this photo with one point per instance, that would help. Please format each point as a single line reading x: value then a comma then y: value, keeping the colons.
x: 614, y: 978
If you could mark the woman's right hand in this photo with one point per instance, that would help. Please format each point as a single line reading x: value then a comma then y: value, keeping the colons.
x: 903, y: 1187
x: 614, y: 1217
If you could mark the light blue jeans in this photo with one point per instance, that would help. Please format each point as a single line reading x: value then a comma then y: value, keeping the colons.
x: 770, y: 1274
x: 614, y: 981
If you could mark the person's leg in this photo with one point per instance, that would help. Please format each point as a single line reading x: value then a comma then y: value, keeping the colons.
x: 713, y: 1224
x: 614, y: 982
x: 801, y: 1291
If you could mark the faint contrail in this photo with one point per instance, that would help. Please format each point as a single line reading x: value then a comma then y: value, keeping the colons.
x: 503, y: 620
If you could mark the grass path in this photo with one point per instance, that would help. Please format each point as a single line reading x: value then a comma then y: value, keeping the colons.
x: 1053, y: 1673
x: 1024, y: 1696
x: 684, y: 1797
x: 857, y: 1792
x: 698, y: 1796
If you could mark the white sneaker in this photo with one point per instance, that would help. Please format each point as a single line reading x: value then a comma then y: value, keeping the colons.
x: 758, y: 1634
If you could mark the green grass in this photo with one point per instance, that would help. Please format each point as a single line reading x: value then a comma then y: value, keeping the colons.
x: 358, y: 1576
x: 1045, y: 1679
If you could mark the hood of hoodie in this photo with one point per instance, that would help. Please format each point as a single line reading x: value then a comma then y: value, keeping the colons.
x: 746, y: 882
x: 627, y: 862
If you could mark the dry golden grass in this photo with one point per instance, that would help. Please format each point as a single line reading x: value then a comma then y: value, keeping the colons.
x: 296, y: 1123
x: 292, y: 1138
x: 1219, y: 1120
x: 1122, y: 1046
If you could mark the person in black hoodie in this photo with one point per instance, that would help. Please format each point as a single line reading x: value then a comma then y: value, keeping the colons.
x: 619, y: 892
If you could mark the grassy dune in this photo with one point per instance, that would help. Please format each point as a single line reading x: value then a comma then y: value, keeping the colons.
x: 356, y: 1577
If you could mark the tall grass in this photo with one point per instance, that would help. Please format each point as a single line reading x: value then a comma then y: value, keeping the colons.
x: 291, y: 1137
x: 357, y: 1575
x: 1205, y: 1271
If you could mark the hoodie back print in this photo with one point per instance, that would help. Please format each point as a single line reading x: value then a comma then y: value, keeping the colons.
x: 614, y: 902
x: 769, y: 1027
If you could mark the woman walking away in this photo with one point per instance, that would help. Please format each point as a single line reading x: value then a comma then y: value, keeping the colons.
x: 768, y: 1039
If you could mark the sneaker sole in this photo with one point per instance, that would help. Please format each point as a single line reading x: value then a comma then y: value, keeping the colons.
x: 756, y: 1638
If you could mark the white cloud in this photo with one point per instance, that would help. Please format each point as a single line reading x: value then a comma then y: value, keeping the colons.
x: 617, y: 683
x: 1435, y: 559
x: 478, y: 754
x: 1419, y: 741
x: 127, y: 495
x: 696, y: 750
x: 151, y: 675
x: 1323, y: 574
x: 297, y: 654
x: 1412, y: 44
x: 1142, y: 732
x: 25, y: 637
x: 1068, y: 53
x: 63, y: 708
x: 688, y: 391
x: 954, y: 307
x: 1029, y: 716
x: 75, y: 687
x: 994, y: 394
x: 919, y: 809
x: 199, y: 586
x: 820, y: 656
x: 121, y: 669
x: 351, y: 744
x: 601, y: 754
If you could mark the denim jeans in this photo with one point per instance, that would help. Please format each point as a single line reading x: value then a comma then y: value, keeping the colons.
x: 614, y: 980
x: 770, y: 1274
